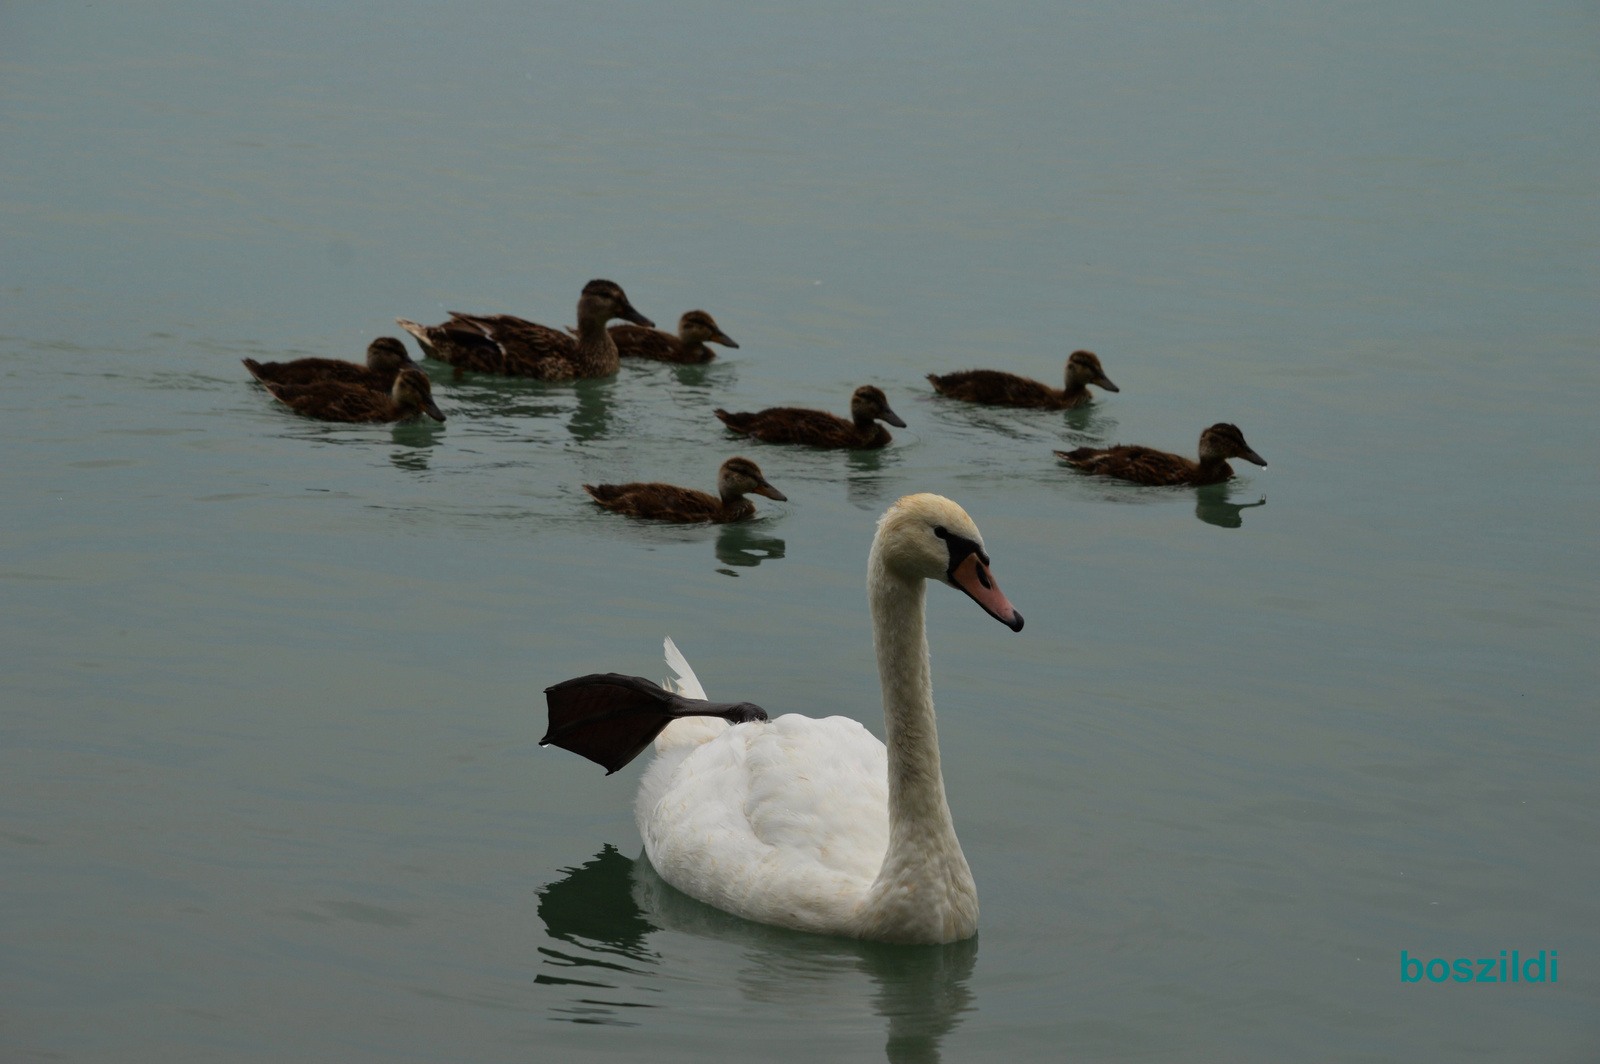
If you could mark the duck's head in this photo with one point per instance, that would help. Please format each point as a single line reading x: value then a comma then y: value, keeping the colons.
x: 870, y: 404
x: 929, y: 537
x: 696, y: 326
x: 386, y: 354
x: 740, y: 476
x: 1223, y: 441
x: 412, y: 391
x: 1083, y: 367
x: 605, y: 300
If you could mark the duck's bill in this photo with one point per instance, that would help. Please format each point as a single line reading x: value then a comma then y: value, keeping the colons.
x: 432, y: 410
x: 627, y: 311
x: 892, y: 418
x: 1105, y: 382
x: 1251, y: 456
x: 973, y: 577
x: 772, y: 493
x: 724, y: 340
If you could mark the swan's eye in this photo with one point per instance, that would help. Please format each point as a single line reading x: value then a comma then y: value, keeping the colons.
x: 939, y: 530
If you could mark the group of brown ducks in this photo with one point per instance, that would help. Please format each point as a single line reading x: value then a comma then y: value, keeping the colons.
x: 391, y: 387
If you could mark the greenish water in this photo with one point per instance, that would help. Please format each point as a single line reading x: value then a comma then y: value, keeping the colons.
x: 269, y: 781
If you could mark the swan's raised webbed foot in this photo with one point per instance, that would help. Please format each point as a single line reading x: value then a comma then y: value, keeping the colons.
x: 609, y: 718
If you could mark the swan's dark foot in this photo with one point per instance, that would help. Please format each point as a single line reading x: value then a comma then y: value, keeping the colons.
x: 610, y: 718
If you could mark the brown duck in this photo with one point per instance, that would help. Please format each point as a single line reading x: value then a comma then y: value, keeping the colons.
x: 695, y: 330
x: 500, y: 343
x: 792, y: 424
x: 1007, y: 389
x: 1146, y: 465
x: 737, y: 478
x: 409, y: 396
x: 386, y: 357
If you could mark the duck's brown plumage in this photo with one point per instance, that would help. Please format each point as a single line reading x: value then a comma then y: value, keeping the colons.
x: 1146, y: 465
x: 737, y: 478
x: 510, y: 346
x: 1007, y: 389
x: 793, y: 424
x: 409, y: 396
x: 695, y: 329
x: 386, y: 357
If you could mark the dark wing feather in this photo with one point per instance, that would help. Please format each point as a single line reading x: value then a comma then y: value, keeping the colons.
x: 610, y: 718
x: 333, y: 401
x: 635, y: 341
x: 464, y: 345
x: 527, y: 348
x: 664, y: 502
x: 789, y: 424
x: 500, y: 343
x: 317, y: 370
x: 995, y: 388
x: 1142, y: 465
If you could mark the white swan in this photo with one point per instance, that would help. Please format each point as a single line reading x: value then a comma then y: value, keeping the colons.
x: 803, y: 823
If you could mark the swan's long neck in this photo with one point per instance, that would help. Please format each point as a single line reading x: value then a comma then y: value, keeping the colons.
x: 924, y: 884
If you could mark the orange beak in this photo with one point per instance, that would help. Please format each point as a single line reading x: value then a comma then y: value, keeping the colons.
x: 973, y: 577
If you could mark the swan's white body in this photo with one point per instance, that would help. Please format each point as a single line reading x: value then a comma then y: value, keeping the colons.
x: 814, y: 824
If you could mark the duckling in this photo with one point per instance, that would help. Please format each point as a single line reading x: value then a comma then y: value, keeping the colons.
x: 792, y: 424
x: 386, y: 357
x: 737, y: 478
x: 500, y: 343
x: 695, y: 329
x: 410, y: 395
x: 1146, y: 465
x: 1007, y: 389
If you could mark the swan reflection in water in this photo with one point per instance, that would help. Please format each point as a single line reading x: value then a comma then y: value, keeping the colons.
x: 1211, y: 505
x: 739, y: 544
x: 607, y: 909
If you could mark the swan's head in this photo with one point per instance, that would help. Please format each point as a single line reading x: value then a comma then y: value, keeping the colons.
x: 412, y: 391
x: 696, y: 326
x: 740, y: 476
x: 1225, y: 441
x: 1083, y: 367
x: 928, y: 537
x: 605, y: 300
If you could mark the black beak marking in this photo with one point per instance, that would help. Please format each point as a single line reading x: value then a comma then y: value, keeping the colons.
x: 960, y: 547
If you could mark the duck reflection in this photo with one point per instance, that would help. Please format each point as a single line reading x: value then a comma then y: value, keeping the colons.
x: 739, y: 544
x: 411, y: 461
x: 592, y: 419
x: 701, y: 376
x: 411, y: 442
x: 1091, y: 422
x: 1211, y: 505
x: 868, y: 486
x: 504, y: 397
x: 608, y: 907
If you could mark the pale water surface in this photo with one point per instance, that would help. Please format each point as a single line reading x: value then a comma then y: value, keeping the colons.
x: 269, y: 781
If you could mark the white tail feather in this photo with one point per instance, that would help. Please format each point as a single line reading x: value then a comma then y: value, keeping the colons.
x: 683, y: 678
x: 687, y: 731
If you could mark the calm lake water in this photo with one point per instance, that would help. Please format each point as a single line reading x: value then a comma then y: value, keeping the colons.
x: 270, y: 786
